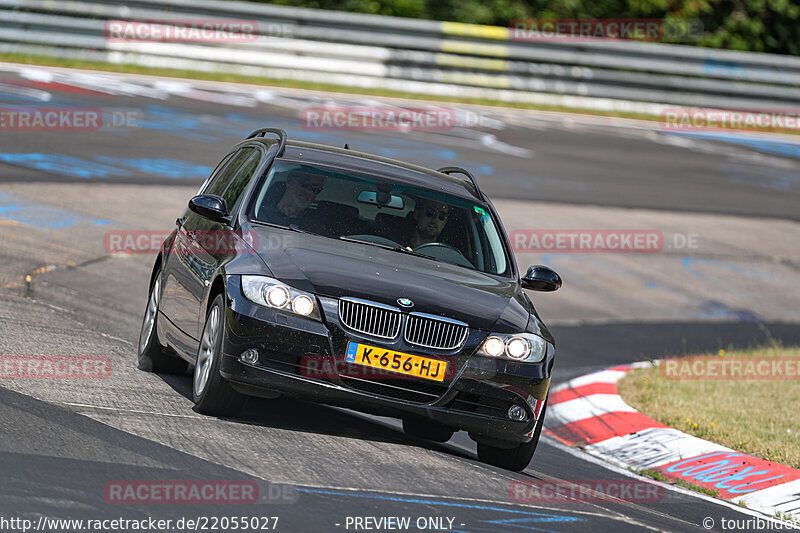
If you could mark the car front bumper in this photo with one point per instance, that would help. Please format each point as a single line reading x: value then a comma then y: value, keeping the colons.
x: 475, y: 398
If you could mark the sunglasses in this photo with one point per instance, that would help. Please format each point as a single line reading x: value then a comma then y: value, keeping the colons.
x: 431, y: 212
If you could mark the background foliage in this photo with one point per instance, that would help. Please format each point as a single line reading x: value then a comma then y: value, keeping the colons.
x: 755, y: 25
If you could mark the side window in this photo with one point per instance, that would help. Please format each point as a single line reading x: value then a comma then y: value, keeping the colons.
x: 214, y: 175
x: 220, y: 183
x: 240, y: 181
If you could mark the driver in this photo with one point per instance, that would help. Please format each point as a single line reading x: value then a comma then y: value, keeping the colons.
x: 430, y: 218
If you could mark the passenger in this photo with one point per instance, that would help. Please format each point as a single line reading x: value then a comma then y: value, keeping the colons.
x: 290, y: 201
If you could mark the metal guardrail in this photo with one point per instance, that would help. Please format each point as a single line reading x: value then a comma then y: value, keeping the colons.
x: 417, y: 56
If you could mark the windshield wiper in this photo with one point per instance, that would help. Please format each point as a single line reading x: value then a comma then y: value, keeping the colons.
x: 400, y: 249
x: 360, y: 241
x: 270, y: 224
x: 295, y: 227
x: 292, y: 227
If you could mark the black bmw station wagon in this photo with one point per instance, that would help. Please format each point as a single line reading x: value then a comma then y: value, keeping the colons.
x: 354, y: 280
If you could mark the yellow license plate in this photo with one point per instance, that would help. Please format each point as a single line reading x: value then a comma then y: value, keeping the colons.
x: 402, y: 363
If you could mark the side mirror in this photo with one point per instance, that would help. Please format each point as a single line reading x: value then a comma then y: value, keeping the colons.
x: 541, y: 278
x: 211, y: 207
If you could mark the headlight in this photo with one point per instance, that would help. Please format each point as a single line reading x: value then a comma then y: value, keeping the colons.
x: 525, y: 347
x: 494, y: 346
x: 518, y: 348
x: 277, y: 296
x: 303, y: 305
x: 270, y: 292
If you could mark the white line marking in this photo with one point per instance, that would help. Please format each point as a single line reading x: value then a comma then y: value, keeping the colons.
x: 135, y: 411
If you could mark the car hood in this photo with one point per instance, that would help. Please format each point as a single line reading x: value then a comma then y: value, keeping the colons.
x: 335, y: 268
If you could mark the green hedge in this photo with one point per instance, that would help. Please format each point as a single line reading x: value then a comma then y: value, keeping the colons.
x: 755, y: 25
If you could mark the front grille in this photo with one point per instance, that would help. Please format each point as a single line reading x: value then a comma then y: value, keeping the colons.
x: 370, y: 318
x: 432, y: 331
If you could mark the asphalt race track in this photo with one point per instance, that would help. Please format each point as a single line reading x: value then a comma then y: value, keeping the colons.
x: 728, y: 275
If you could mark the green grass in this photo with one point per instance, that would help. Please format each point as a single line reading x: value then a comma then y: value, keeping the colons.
x: 658, y: 476
x: 757, y: 417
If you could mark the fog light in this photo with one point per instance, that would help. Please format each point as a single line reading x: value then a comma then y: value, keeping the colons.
x: 517, y: 413
x: 249, y: 356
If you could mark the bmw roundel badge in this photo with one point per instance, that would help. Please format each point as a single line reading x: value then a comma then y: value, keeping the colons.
x: 405, y: 302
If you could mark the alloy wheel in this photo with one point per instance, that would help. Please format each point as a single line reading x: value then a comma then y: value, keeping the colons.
x: 205, y: 358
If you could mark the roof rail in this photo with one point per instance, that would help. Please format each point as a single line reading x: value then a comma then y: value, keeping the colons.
x: 467, y: 173
x: 275, y: 131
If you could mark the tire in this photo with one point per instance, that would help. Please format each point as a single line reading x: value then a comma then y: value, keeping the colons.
x: 152, y: 356
x: 212, y: 394
x: 515, y: 458
x: 424, y: 429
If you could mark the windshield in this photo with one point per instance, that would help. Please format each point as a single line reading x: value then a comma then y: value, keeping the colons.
x: 342, y: 205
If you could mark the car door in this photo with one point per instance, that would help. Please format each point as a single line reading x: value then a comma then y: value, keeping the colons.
x: 178, y: 265
x: 200, y: 244
x: 173, y: 291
